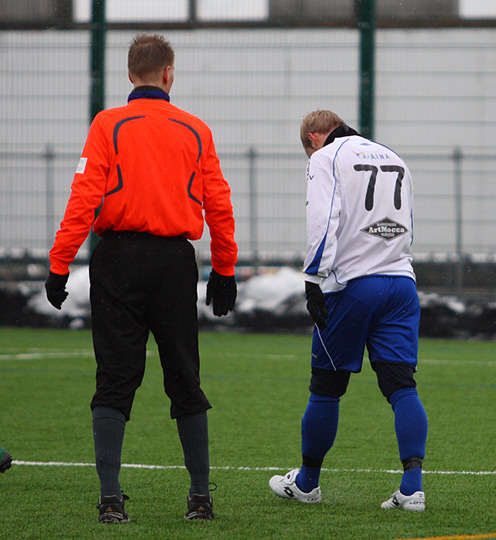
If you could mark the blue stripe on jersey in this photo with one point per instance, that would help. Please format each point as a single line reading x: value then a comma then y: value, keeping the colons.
x: 411, y: 223
x: 313, y: 267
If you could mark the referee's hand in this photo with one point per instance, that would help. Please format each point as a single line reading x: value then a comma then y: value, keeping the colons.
x: 55, y: 289
x: 222, y: 292
x: 316, y: 304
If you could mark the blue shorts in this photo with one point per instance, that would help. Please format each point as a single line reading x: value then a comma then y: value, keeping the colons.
x: 380, y: 312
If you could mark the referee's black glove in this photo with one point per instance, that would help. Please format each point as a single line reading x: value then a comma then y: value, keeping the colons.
x: 222, y: 291
x: 316, y: 304
x: 55, y: 289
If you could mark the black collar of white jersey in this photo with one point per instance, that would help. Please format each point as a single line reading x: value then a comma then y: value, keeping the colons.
x: 341, y: 131
x: 148, y: 92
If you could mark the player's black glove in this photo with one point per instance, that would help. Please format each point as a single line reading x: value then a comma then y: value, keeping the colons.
x: 55, y: 289
x: 222, y: 290
x: 316, y: 304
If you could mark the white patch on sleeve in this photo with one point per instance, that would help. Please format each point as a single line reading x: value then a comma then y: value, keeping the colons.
x: 81, y: 165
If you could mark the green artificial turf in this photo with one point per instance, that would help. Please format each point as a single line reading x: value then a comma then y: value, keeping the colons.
x: 258, y: 385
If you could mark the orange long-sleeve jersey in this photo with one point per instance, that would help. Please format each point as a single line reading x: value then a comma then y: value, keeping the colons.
x: 153, y: 168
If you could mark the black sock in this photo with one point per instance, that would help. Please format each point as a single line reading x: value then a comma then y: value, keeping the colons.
x: 193, y: 433
x: 108, y: 434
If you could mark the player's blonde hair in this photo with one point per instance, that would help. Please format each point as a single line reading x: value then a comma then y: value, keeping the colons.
x: 319, y: 121
x: 148, y: 54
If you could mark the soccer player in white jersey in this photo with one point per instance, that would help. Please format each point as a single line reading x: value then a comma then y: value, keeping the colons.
x: 361, y: 292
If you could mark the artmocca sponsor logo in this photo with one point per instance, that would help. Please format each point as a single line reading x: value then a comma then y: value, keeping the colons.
x: 385, y: 228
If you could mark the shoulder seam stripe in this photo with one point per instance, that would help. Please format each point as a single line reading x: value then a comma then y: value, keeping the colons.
x: 119, y: 125
x: 195, y: 133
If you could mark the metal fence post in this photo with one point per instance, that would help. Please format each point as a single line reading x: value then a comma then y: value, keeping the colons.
x: 49, y: 157
x: 457, y: 160
x: 97, y: 64
x: 193, y: 13
x: 253, y: 217
x: 366, y: 25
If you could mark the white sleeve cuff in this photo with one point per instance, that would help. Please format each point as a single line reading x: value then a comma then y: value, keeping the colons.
x: 312, y: 278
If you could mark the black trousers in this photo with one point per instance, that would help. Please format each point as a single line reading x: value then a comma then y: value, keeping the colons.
x: 142, y: 283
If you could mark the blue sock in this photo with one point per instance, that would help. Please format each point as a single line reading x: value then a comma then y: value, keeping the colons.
x: 319, y: 426
x: 411, y: 481
x: 410, y: 422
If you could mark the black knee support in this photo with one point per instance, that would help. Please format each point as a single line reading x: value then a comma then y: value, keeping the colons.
x: 325, y: 382
x: 393, y: 377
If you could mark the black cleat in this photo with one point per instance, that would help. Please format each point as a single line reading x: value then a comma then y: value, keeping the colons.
x: 112, y: 509
x: 200, y: 507
x: 5, y: 461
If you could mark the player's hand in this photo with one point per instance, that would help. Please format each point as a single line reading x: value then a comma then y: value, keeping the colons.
x: 316, y: 304
x: 222, y: 292
x: 55, y: 289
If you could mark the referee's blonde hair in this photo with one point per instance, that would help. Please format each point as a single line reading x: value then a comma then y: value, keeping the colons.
x: 319, y: 121
x: 149, y: 54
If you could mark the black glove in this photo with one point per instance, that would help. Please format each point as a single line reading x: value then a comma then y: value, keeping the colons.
x: 55, y: 289
x: 222, y: 290
x: 316, y: 304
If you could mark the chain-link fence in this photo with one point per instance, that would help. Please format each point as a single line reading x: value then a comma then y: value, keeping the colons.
x: 435, y: 105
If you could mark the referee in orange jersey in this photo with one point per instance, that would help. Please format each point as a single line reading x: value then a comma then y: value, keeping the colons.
x: 153, y: 171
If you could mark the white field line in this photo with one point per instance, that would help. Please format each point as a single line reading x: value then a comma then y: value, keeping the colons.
x: 230, y: 468
x: 42, y: 354
x: 446, y: 362
x: 257, y: 355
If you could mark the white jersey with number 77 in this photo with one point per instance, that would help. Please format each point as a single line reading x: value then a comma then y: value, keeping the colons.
x: 359, y: 213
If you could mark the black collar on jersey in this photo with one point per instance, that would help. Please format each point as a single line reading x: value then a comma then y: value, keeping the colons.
x: 341, y: 131
x: 148, y: 92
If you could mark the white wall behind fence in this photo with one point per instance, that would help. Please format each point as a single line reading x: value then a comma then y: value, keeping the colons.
x: 435, y: 93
